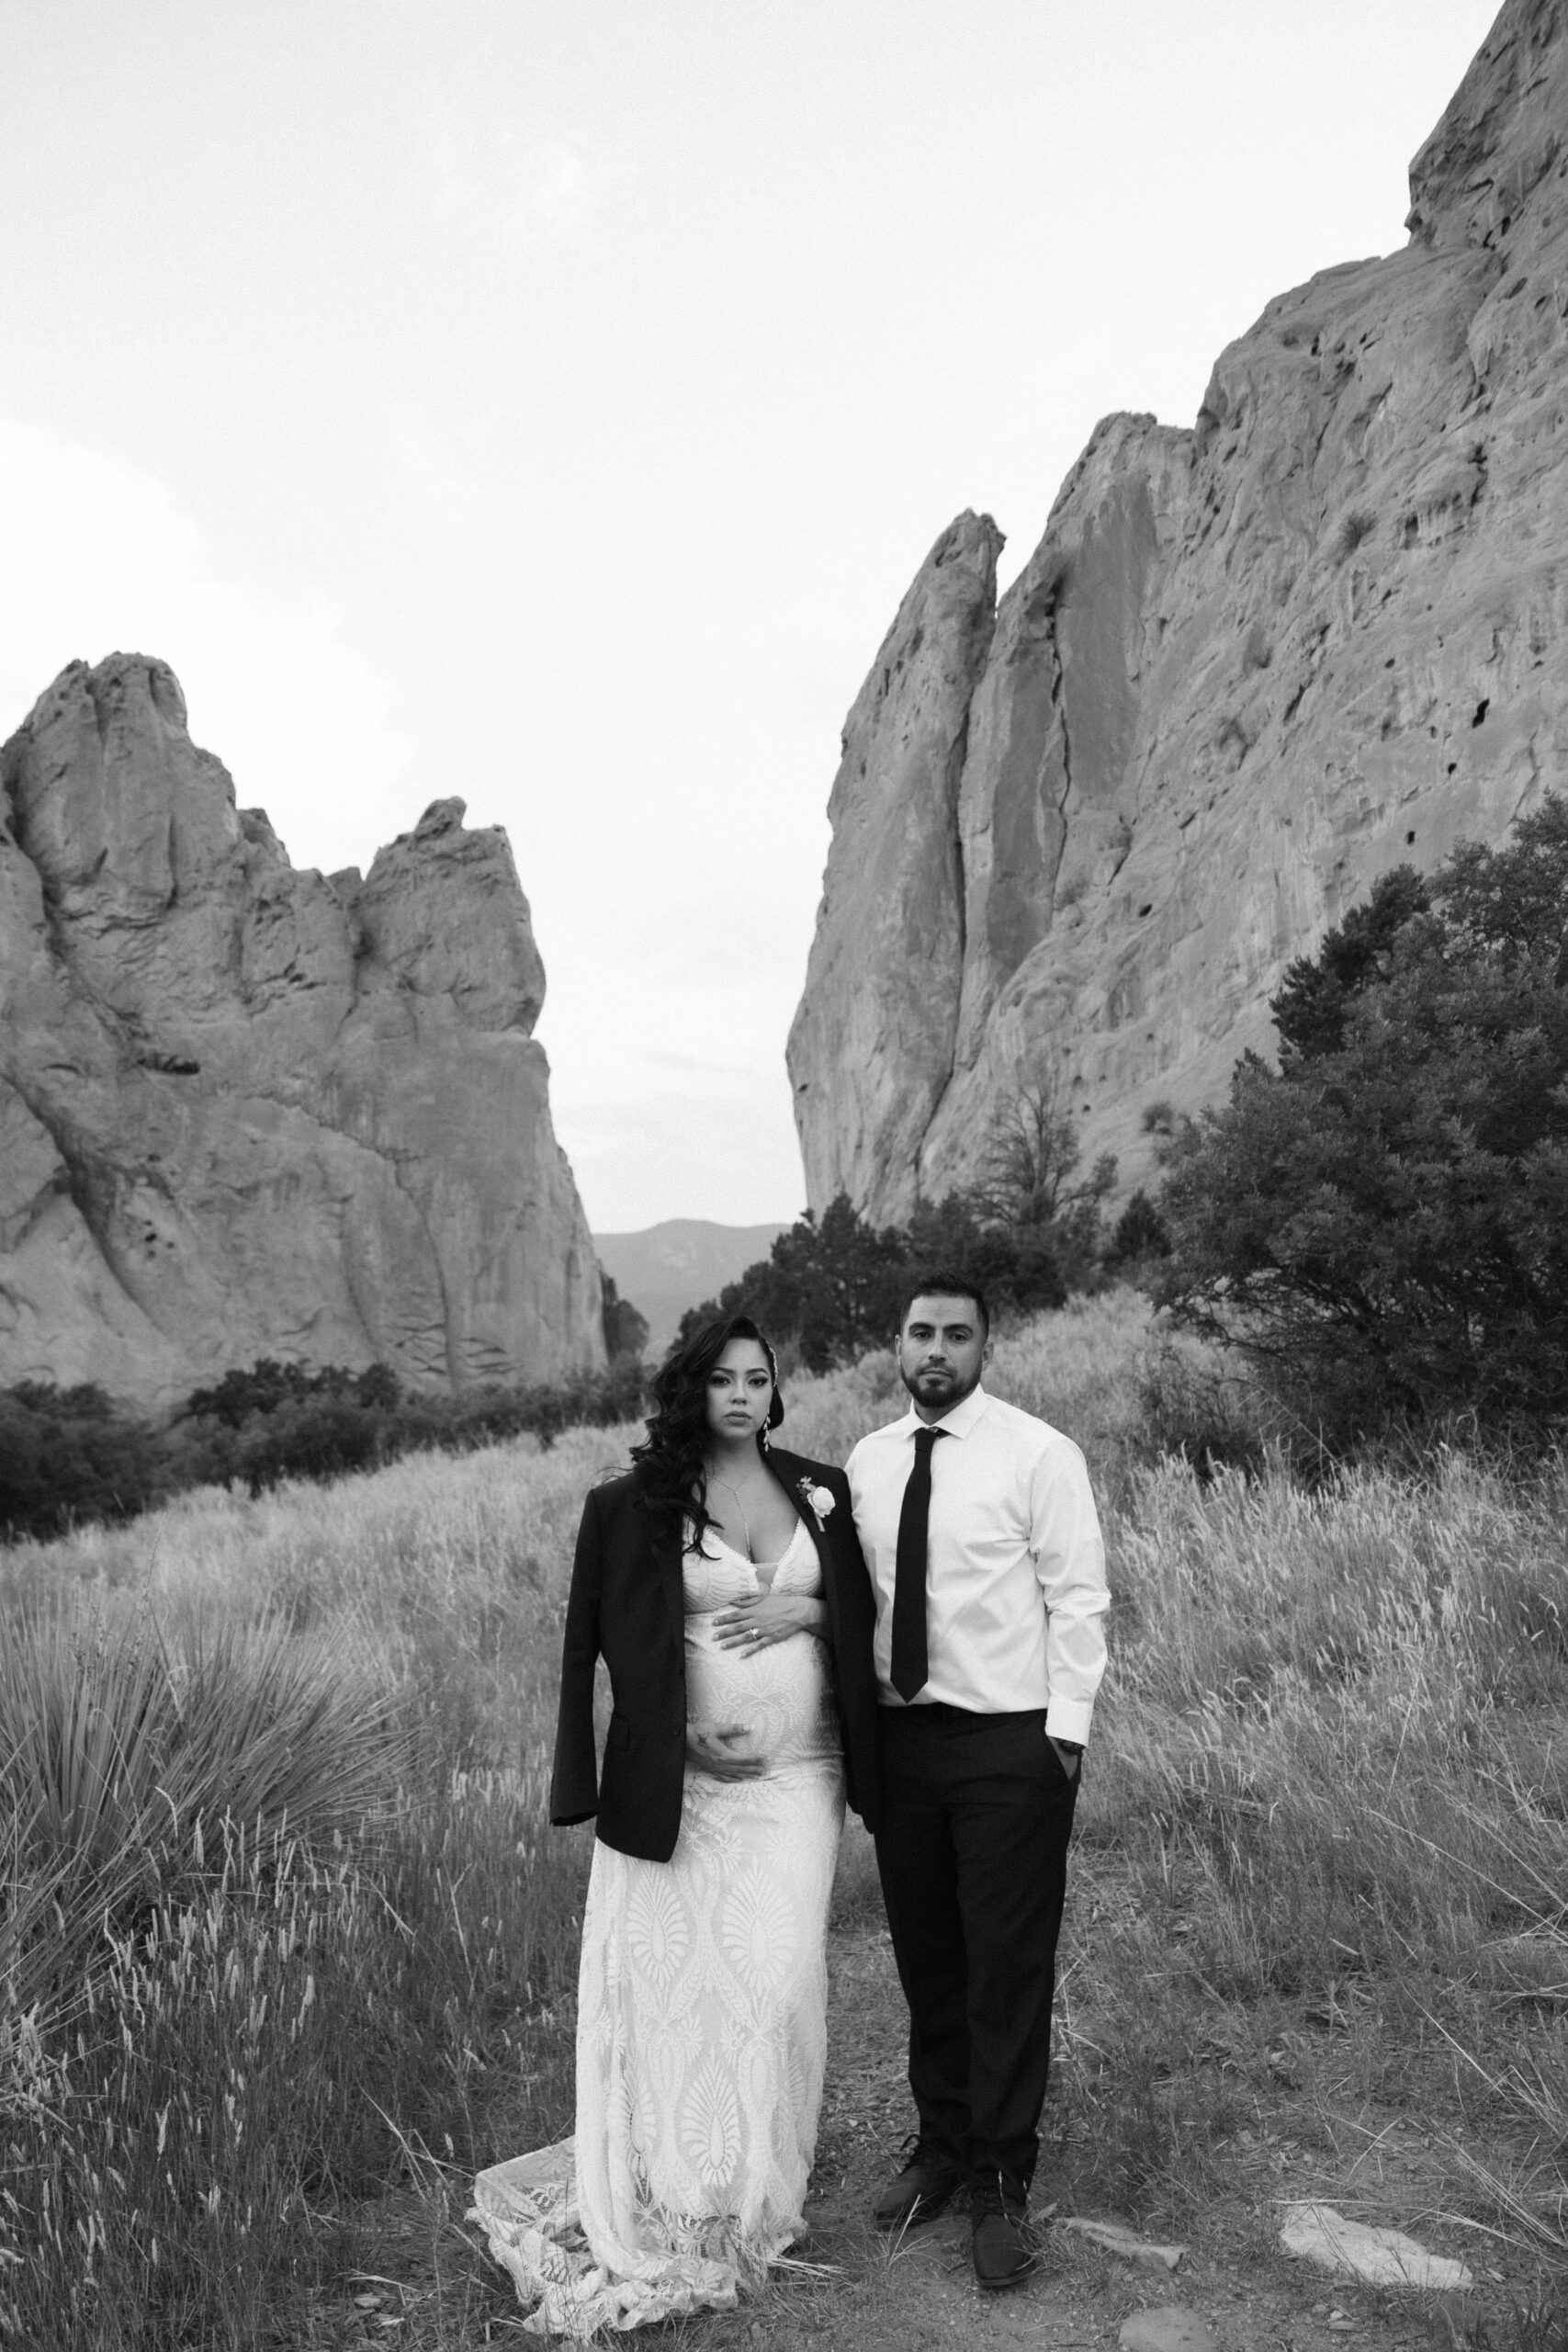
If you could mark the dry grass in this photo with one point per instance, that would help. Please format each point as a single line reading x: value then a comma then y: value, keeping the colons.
x: 1326, y: 1823
x: 1321, y: 1879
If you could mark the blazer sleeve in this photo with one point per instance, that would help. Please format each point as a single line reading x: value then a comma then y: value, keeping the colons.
x: 574, y: 1785
x: 852, y: 1616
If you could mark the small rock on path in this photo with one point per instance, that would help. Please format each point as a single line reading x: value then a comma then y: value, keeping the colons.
x: 1170, y: 2328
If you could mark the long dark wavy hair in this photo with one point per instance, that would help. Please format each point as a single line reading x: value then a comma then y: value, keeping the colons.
x: 669, y: 1461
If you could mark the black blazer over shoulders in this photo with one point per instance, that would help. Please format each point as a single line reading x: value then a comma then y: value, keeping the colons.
x: 626, y: 1606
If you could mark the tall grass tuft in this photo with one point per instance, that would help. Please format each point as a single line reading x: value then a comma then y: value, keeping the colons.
x: 252, y: 2058
x: 1326, y: 1817
x: 166, y: 2158
x: 245, y: 1966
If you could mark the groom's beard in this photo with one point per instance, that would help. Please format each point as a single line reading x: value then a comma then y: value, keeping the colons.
x: 930, y: 1384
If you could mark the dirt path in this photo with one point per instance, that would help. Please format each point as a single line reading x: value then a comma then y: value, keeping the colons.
x: 854, y: 2291
x: 1236, y: 2289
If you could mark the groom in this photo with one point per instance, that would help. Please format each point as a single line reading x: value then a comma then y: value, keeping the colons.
x: 984, y: 1548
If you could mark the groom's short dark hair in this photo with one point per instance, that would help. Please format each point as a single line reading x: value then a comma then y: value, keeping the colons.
x: 942, y: 1282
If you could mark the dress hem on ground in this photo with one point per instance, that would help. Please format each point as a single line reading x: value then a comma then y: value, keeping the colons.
x: 527, y: 2210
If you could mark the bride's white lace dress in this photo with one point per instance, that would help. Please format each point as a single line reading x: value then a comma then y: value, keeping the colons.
x: 702, y: 2000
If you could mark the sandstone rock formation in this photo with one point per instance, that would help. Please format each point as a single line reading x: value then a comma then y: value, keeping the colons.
x: 1077, y: 838
x: 246, y: 1110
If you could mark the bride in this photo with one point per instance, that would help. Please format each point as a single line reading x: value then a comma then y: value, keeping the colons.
x: 721, y: 1582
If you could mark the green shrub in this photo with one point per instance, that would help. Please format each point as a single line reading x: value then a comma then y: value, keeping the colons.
x: 625, y: 1326
x: 67, y: 1454
x: 1318, y: 992
x: 1018, y: 1267
x: 269, y: 1385
x: 341, y: 1423
x: 1031, y: 1186
x: 1139, y: 1236
x: 70, y: 1457
x: 829, y: 1287
x: 1381, y: 1223
x: 321, y: 1438
x: 1195, y: 1404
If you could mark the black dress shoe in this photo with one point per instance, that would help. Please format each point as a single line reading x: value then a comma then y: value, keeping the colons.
x: 1000, y: 2243
x: 924, y: 2188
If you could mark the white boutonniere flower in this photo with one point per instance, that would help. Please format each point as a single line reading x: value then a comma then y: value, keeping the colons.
x: 818, y: 1501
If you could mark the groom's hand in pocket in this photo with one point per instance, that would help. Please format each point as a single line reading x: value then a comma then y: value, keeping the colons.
x: 710, y: 1748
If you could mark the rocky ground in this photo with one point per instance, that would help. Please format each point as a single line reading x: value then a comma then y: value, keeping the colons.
x: 1232, y: 2289
x: 423, y: 2282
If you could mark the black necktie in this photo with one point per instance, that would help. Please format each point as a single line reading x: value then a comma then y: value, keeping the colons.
x: 910, y: 1661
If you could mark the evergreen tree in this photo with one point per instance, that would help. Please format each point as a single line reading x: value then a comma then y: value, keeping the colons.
x: 1383, y: 1222
x: 625, y: 1325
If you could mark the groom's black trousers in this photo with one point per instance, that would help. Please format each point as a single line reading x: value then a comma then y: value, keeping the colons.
x: 977, y: 1811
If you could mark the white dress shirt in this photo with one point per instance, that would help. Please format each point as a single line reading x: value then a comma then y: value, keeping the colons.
x: 1015, y: 1578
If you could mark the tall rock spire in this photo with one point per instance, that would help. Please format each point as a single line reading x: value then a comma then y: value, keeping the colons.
x: 871, y: 1051
x: 246, y: 1110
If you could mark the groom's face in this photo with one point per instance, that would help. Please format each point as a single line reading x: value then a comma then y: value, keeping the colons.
x: 942, y: 1349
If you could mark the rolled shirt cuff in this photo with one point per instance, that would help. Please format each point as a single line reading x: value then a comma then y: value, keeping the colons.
x: 1070, y: 1719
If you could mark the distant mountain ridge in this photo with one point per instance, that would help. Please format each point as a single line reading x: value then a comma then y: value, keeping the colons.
x: 667, y: 1268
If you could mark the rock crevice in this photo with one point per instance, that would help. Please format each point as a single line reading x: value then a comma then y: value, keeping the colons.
x: 895, y: 966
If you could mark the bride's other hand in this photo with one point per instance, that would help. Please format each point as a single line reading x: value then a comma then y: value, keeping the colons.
x: 771, y: 1617
x: 707, y: 1751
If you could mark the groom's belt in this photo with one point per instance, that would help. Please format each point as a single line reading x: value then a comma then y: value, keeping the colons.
x: 939, y: 1710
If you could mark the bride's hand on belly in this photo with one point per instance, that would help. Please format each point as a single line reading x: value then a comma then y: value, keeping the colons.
x: 771, y: 1617
x: 709, y: 1749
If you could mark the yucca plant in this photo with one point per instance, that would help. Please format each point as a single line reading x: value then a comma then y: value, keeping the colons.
x: 53, y: 1912
x: 114, y: 1738
x: 276, y: 1729
x: 85, y: 1720
x: 81, y: 1724
x: 123, y: 1755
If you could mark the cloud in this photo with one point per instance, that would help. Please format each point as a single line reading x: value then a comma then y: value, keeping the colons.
x: 426, y: 465
x: 99, y: 558
x: 557, y: 188
x: 527, y: 193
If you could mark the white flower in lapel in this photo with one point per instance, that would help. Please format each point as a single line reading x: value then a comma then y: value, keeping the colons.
x: 818, y: 1501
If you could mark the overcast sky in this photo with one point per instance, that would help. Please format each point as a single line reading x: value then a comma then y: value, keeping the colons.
x: 549, y: 400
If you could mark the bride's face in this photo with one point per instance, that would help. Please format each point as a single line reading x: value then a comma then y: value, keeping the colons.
x: 741, y: 1389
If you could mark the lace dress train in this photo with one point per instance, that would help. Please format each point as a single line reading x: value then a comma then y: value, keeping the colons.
x: 702, y: 2007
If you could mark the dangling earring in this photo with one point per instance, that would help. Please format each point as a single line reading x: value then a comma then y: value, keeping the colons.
x: 762, y: 1438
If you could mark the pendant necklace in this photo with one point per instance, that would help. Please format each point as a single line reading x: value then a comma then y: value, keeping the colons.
x: 741, y: 1507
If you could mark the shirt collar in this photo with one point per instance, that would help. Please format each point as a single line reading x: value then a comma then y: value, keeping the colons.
x: 958, y: 1423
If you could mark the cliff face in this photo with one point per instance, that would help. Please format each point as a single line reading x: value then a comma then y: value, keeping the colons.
x: 1077, y: 838
x: 246, y: 1110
